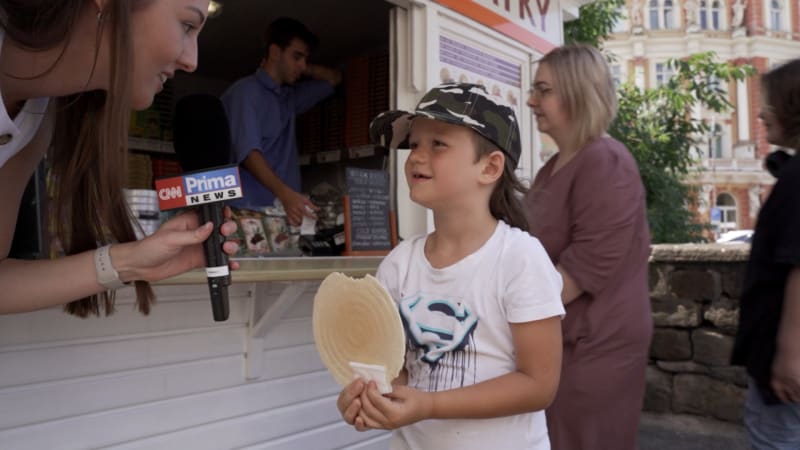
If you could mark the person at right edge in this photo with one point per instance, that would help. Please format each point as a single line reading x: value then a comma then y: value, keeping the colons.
x: 587, y: 207
x: 262, y: 111
x: 768, y: 338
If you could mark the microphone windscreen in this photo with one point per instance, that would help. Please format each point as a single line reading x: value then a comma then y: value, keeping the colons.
x: 201, y: 134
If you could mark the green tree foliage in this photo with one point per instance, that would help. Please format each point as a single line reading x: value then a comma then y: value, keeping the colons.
x: 657, y: 126
x: 595, y: 22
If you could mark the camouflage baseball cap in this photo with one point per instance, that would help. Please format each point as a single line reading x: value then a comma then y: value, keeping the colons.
x: 464, y: 104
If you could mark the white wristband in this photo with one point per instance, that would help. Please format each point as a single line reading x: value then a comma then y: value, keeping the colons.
x: 107, y: 276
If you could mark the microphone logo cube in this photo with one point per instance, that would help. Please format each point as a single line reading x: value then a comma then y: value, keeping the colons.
x: 197, y: 188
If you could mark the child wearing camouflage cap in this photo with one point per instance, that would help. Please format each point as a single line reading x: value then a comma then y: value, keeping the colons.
x: 479, y: 297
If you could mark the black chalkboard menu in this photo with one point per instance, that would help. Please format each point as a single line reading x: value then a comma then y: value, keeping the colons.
x: 369, y: 221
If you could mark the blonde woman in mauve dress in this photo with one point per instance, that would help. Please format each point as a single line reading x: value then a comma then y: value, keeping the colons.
x: 587, y: 207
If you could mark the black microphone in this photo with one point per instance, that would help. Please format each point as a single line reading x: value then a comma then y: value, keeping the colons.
x: 202, y: 141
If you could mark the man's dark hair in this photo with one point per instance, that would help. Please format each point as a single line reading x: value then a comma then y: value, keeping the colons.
x: 282, y: 30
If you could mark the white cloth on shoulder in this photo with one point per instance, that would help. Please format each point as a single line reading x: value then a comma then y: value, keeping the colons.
x: 17, y: 133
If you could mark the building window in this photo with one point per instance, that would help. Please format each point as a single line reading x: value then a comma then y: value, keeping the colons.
x: 654, y: 25
x: 664, y: 72
x: 725, y: 215
x: 710, y: 15
x: 715, y: 15
x: 715, y: 142
x: 621, y: 24
x: 661, y: 14
x: 667, y: 14
x: 616, y: 74
x: 638, y: 77
x: 714, y: 82
x: 703, y: 15
x: 775, y: 12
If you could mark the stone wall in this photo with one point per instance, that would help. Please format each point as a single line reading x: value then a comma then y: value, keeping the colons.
x: 695, y: 290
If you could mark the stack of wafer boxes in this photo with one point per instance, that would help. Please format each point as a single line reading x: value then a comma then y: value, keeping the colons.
x: 262, y: 233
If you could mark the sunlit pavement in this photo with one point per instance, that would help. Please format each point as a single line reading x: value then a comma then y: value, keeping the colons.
x: 685, y: 432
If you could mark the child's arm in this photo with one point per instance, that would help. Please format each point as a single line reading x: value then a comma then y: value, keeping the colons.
x: 531, y: 387
x: 786, y: 365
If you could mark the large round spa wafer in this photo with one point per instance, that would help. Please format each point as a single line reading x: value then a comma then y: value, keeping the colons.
x: 357, y: 320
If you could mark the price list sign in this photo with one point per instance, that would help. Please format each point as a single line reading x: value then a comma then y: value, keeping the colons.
x: 369, y: 221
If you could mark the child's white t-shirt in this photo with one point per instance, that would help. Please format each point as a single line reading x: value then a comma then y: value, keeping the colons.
x: 456, y: 322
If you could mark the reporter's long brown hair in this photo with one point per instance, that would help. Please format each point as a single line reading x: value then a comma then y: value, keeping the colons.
x: 88, y: 157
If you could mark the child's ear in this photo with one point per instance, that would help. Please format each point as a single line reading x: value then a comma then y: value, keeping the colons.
x: 493, y: 165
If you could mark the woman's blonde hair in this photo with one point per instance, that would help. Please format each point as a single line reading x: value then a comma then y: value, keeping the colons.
x: 585, y: 85
x: 88, y: 157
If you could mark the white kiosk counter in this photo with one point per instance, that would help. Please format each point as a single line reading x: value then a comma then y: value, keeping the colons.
x: 288, y: 269
x: 176, y: 379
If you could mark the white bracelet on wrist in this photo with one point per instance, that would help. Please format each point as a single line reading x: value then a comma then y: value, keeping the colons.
x: 107, y: 276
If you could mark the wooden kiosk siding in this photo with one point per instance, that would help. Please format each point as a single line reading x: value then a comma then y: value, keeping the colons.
x: 175, y: 379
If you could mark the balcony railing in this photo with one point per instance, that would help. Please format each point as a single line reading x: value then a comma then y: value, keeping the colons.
x: 731, y: 164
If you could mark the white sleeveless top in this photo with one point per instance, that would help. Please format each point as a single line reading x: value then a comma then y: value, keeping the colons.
x: 16, y: 134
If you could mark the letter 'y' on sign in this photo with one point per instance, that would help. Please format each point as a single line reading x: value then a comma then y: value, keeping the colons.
x: 195, y: 188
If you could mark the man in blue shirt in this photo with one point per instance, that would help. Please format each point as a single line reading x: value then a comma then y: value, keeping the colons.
x: 261, y: 109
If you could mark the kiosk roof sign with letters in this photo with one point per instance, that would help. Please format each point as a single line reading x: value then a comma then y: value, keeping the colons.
x: 535, y: 23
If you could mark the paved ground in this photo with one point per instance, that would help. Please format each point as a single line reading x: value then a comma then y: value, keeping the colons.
x: 684, y: 432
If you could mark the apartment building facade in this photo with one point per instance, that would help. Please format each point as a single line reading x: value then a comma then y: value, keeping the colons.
x: 731, y: 183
